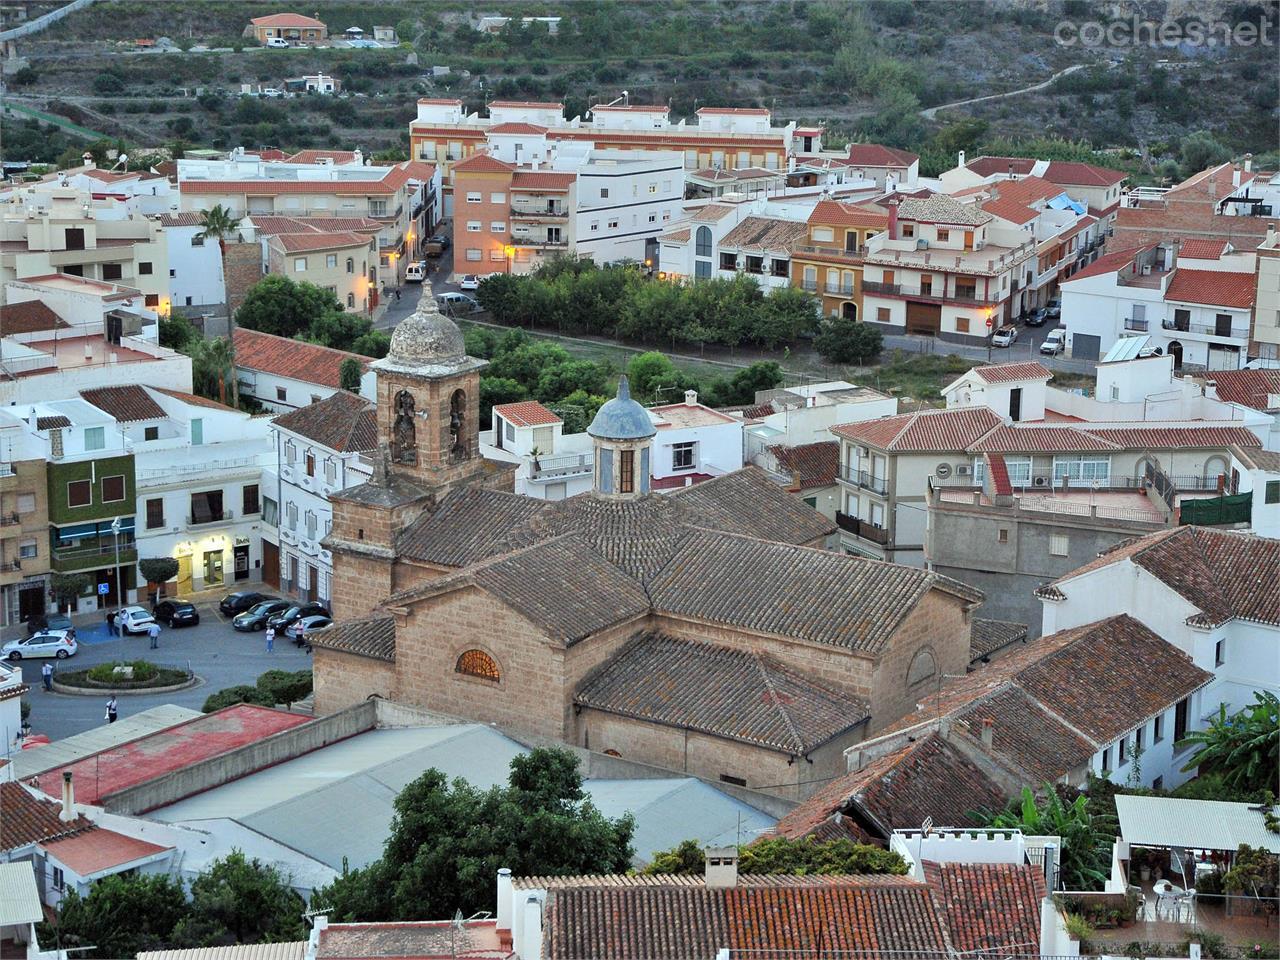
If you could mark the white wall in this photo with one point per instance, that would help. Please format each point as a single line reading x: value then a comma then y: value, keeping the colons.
x: 264, y: 386
x: 644, y: 198
x: 1158, y: 758
x: 1265, y: 520
x: 195, y: 271
x: 718, y: 449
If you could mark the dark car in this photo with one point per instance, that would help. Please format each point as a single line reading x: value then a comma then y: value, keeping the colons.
x: 234, y: 603
x: 1037, y: 317
x: 287, y: 618
x: 255, y: 618
x: 49, y: 621
x: 176, y: 613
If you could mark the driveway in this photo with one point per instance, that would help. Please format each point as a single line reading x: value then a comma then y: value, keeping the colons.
x: 1027, y: 347
x: 219, y: 655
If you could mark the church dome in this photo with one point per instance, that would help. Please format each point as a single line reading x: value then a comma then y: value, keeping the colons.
x: 427, y: 338
x: 622, y: 418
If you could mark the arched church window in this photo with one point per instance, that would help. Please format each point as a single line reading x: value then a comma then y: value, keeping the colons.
x: 457, y: 424
x: 477, y: 663
x: 404, y: 444
x: 922, y: 667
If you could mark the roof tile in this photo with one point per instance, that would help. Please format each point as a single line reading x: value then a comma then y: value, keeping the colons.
x: 292, y: 359
x: 342, y: 422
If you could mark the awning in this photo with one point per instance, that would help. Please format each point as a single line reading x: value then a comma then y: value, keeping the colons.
x: 19, y: 898
x: 1193, y: 824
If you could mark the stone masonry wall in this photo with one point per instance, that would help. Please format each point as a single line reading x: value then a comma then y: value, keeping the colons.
x: 343, y: 679
x: 939, y: 624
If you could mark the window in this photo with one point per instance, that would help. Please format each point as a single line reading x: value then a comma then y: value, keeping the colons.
x: 311, y: 521
x: 682, y: 456
x: 1180, y: 716
x: 626, y: 467
x: 728, y: 261
x: 604, y: 192
x: 79, y: 493
x: 197, y: 240
x: 1002, y: 536
x: 595, y: 225
x: 473, y: 254
x: 330, y: 470
x: 351, y: 300
x: 151, y: 300
x: 1106, y: 760
x: 281, y: 393
x: 59, y: 879
x: 653, y: 188
x: 497, y: 255
x: 882, y: 314
x: 943, y: 235
x: 299, y: 264
x: 310, y: 461
x: 315, y: 398
x: 206, y: 507
x: 1220, y: 653
x: 95, y: 438
x: 26, y: 502
x: 498, y: 226
x: 197, y: 432
x: 27, y: 550
x: 962, y: 324
x: 908, y: 229
x: 351, y: 265
x: 144, y: 269
x: 474, y: 196
x: 150, y: 433
x: 1157, y: 732
x: 377, y: 208
x: 1082, y: 469
x: 923, y: 666
x: 270, y: 511
x: 112, y: 489
x: 291, y: 512
x: 1157, y: 784
x: 497, y: 198
x: 812, y: 502
x: 1058, y: 545
x: 613, y: 224
x: 1124, y: 751
x: 1272, y: 494
x: 702, y: 269
x: 474, y: 226
x: 249, y: 499
x: 477, y: 663
x: 736, y: 781
x: 1139, y: 737
x: 155, y: 513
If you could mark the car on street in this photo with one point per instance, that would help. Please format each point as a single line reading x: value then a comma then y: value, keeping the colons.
x: 1037, y: 317
x: 1054, y: 308
x: 50, y: 621
x: 177, y: 613
x: 46, y: 643
x: 310, y: 625
x: 135, y: 620
x: 1005, y: 336
x: 277, y: 43
x: 452, y: 304
x: 469, y: 282
x: 291, y: 615
x: 415, y: 272
x: 234, y: 603
x: 255, y: 618
x: 1055, y: 343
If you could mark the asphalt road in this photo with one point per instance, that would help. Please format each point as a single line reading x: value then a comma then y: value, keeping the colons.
x: 220, y: 657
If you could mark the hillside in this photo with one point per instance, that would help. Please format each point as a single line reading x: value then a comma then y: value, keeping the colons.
x: 866, y: 70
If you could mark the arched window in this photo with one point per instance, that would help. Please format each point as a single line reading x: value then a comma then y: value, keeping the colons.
x: 351, y: 265
x: 457, y: 424
x: 702, y: 242
x: 477, y: 663
x: 922, y: 667
x: 1214, y: 468
x: 1140, y: 468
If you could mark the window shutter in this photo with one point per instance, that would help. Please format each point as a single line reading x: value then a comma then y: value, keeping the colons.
x: 644, y: 470
x: 606, y: 471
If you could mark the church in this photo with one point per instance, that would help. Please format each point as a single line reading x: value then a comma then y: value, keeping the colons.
x: 705, y: 630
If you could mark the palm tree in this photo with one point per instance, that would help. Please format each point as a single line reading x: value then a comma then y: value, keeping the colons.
x: 220, y: 223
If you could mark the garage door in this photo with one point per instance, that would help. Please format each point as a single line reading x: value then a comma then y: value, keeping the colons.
x: 924, y: 318
x: 1085, y: 346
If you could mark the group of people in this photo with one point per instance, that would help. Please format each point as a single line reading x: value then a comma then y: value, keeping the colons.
x: 115, y: 627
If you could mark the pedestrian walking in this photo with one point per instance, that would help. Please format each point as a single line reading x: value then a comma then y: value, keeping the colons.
x: 154, y: 632
x: 112, y: 628
x: 397, y: 294
x: 271, y: 639
x: 46, y: 674
x: 112, y: 711
x: 118, y: 620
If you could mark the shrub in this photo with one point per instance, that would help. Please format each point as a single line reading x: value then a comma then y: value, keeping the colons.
x: 283, y: 686
x: 158, y: 569
x: 142, y: 671
x: 233, y: 695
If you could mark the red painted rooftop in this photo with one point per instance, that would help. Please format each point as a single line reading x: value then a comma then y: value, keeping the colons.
x: 166, y: 751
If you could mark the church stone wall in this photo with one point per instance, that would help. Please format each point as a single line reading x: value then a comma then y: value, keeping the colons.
x: 343, y: 679
x: 939, y: 625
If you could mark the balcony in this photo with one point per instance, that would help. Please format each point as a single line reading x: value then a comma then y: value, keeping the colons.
x: 547, y: 242
x: 1203, y: 329
x: 839, y: 290
x: 86, y: 556
x: 553, y: 468
x: 863, y: 529
x: 542, y: 213
x: 1132, y: 323
x: 10, y: 520
x: 10, y: 566
x: 212, y: 516
x: 810, y: 286
x: 901, y: 290
x: 865, y: 480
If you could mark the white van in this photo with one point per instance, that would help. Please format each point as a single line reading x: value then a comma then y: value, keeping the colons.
x: 1056, y: 342
x: 415, y: 272
x: 277, y: 42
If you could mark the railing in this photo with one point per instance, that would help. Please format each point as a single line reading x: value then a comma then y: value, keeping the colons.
x: 864, y: 479
x: 9, y: 520
x: 565, y: 466
x: 843, y: 289
x: 205, y: 466
x: 536, y: 242
x: 102, y: 549
x: 862, y: 528
x: 212, y: 517
x: 1207, y: 329
x: 9, y: 566
x: 1132, y: 323
x: 558, y: 214
x: 6, y: 470
x: 900, y: 290
x: 810, y: 285
x: 829, y: 251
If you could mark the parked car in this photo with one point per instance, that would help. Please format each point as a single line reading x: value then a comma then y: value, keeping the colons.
x: 469, y: 282
x: 1037, y: 317
x: 176, y: 613
x: 1005, y: 336
x: 1056, y: 342
x: 452, y: 304
x: 234, y: 603
x: 46, y: 643
x: 287, y: 618
x: 50, y: 621
x: 1054, y: 308
x: 311, y: 625
x: 255, y: 618
x: 135, y: 620
x: 415, y: 272
x: 277, y: 43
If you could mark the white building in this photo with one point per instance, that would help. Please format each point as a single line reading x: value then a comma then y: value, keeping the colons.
x: 1206, y: 591
x: 11, y: 690
x: 284, y: 374
x: 1097, y: 186
x: 551, y: 464
x: 317, y: 451
x: 196, y: 283
x: 1257, y: 473
x: 693, y: 443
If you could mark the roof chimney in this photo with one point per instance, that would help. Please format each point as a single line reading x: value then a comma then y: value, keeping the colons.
x: 531, y: 932
x: 960, y: 162
x: 1271, y: 234
x: 504, y: 902
x: 1050, y: 868
x: 721, y: 867
x: 691, y: 398
x: 1235, y: 176
x: 87, y: 157
x: 988, y: 733
x: 1248, y: 163
x: 893, y: 218
x: 68, y: 811
x: 855, y: 761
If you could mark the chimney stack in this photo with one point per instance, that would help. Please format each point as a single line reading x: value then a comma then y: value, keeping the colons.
x: 87, y: 157
x: 988, y: 733
x: 691, y: 398
x: 721, y: 867
x: 531, y: 932
x: 960, y: 162
x: 1248, y: 163
x: 854, y: 761
x: 1271, y: 234
x: 503, y: 912
x: 1050, y: 868
x: 893, y: 218
x: 68, y: 811
x: 1235, y: 176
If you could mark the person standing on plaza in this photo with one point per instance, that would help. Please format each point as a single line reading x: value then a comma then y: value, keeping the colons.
x: 271, y: 639
x: 111, y: 624
x: 154, y: 632
x: 113, y: 713
x: 46, y: 674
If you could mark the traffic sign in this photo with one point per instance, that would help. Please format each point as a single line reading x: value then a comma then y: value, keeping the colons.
x: 104, y: 589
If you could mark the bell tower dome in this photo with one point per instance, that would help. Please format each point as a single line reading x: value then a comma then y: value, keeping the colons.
x: 622, y: 434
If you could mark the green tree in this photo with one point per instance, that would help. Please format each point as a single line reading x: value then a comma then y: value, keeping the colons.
x: 562, y: 379
x: 1086, y: 836
x: 499, y: 294
x: 448, y: 840
x: 228, y: 696
x: 648, y: 371
x: 238, y: 900
x: 279, y: 306
x: 349, y: 374
x: 1201, y: 150
x: 120, y: 917
x: 219, y: 223
x: 212, y: 365
x: 787, y: 314
x: 285, y: 686
x: 67, y: 587
x: 158, y: 569
x: 578, y: 409
x: 372, y: 343
x: 782, y: 855
x: 843, y: 340
x: 176, y: 331
x: 496, y: 390
x: 1244, y: 749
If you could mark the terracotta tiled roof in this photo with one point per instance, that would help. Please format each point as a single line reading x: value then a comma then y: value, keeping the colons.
x: 469, y: 526
x: 482, y: 163
x: 1268, y: 460
x: 842, y: 214
x: 28, y: 818
x: 1008, y: 209
x: 372, y: 637
x: 675, y: 236
x: 1017, y: 438
x: 736, y: 111
x: 992, y: 909
x: 1155, y: 437
x: 874, y: 155
x: 736, y: 694
x: 293, y: 359
x: 711, y: 213
x: 528, y: 413
x: 57, y: 422
x: 989, y: 166
x: 1179, y: 217
x: 194, y: 400
x: 1007, y: 372
x: 30, y: 316
x: 184, y: 218
x: 811, y: 464
x: 127, y: 404
x: 941, y: 208
x: 747, y: 502
x: 1249, y: 388
x: 535, y: 104
x: 1027, y: 190
x: 315, y: 156
x: 96, y: 850
x: 342, y: 422
x: 765, y: 233
x: 1108, y: 263
x: 542, y: 180
x: 1082, y: 174
x: 988, y: 636
x: 927, y: 778
x: 925, y: 431
x: 1225, y: 574
x: 999, y: 473
x: 1202, y: 249
x: 517, y: 127
x: 286, y: 20
x: 1219, y: 288
x: 303, y: 242
x: 1211, y: 183
x: 440, y: 101
x: 270, y: 224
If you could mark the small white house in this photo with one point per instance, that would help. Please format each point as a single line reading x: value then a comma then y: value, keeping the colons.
x: 551, y: 464
x: 76, y: 862
x: 1257, y: 472
x: 693, y: 443
x: 196, y: 281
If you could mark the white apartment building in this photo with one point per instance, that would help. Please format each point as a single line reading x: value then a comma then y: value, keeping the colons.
x: 317, y: 451
x: 1098, y: 187
x: 551, y: 465
x: 1195, y: 303
x: 943, y: 268
x: 196, y: 282
x: 693, y: 443
x: 284, y: 374
x: 1264, y: 341
x: 1257, y: 473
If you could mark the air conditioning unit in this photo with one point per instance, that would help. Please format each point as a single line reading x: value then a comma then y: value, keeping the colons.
x: 942, y: 471
x: 1040, y: 482
x: 922, y: 244
x: 740, y: 263
x: 979, y: 244
x: 963, y: 470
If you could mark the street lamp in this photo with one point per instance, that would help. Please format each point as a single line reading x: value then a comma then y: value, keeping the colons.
x: 509, y: 254
x: 115, y: 532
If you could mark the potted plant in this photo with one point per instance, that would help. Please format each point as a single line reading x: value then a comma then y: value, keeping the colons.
x: 1140, y: 860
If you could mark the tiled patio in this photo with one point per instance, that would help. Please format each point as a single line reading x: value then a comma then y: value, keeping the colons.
x: 1249, y: 924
